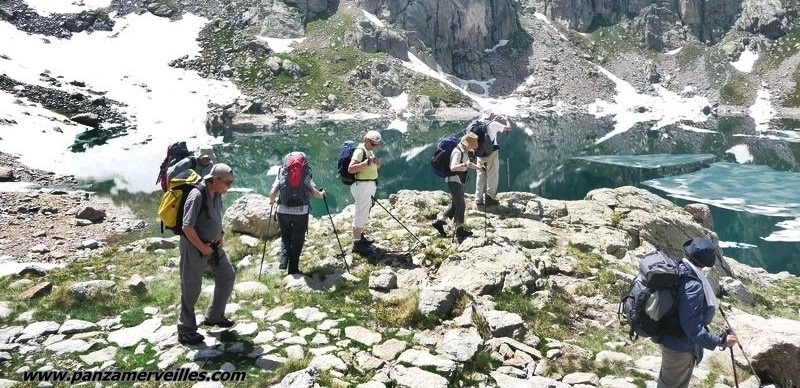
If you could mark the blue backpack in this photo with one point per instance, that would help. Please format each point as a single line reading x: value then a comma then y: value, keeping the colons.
x: 345, y: 154
x: 440, y: 162
x: 485, y: 144
x: 650, y: 307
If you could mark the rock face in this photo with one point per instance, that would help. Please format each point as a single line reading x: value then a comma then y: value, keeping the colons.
x: 456, y: 33
x: 659, y: 25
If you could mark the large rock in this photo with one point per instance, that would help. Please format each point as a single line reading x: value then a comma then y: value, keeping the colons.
x: 766, y: 17
x: 248, y: 214
x: 372, y: 39
x: 773, y: 346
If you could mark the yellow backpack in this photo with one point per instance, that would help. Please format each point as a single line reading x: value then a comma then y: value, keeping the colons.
x: 170, y: 210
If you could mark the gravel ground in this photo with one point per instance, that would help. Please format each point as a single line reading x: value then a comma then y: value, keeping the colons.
x: 38, y: 224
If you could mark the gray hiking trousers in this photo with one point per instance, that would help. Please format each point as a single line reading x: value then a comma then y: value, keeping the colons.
x: 192, y: 267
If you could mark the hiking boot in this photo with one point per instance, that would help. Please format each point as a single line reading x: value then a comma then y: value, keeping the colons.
x: 224, y: 322
x: 190, y: 338
x: 362, y: 248
x: 439, y: 226
x: 283, y: 265
x: 479, y: 203
x: 366, y: 240
x: 461, y: 232
x: 490, y: 201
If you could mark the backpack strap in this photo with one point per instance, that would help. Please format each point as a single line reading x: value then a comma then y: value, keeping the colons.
x: 204, y: 198
x: 365, y: 151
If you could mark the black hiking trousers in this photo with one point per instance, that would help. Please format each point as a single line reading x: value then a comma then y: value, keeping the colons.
x: 293, y: 236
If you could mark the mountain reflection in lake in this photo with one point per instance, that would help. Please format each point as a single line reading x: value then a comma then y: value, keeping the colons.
x: 556, y: 157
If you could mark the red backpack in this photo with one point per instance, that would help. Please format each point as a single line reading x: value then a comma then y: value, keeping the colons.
x: 294, y: 178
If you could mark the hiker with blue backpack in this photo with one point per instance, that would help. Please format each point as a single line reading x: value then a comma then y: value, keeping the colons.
x: 696, y: 305
x: 487, y: 156
x: 364, y: 164
x: 293, y: 186
x: 455, y: 180
x: 201, y: 250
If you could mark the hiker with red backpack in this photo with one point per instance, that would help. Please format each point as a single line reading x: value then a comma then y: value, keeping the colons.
x: 364, y: 164
x: 293, y: 186
x: 486, y: 183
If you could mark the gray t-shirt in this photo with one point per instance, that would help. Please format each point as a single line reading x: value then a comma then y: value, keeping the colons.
x: 207, y: 224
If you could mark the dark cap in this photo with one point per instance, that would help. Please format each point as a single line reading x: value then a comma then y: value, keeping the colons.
x: 700, y: 251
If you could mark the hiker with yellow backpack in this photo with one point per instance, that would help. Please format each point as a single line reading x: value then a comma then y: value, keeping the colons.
x: 200, y: 228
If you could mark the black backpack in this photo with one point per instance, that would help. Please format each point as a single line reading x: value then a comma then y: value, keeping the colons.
x: 175, y: 152
x: 345, y: 155
x: 440, y: 162
x: 485, y: 144
x: 650, y: 307
x: 293, y: 180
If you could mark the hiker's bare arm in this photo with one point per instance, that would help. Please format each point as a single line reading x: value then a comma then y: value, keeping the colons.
x: 354, y: 166
x: 317, y: 193
x: 272, y: 194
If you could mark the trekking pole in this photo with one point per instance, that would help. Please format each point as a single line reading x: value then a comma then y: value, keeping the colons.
x: 725, y: 317
x: 485, y: 223
x: 264, y: 249
x: 733, y: 366
x: 508, y: 167
x: 485, y: 217
x: 374, y: 201
x: 341, y: 250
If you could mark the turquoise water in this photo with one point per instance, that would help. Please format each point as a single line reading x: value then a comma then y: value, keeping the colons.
x: 556, y: 157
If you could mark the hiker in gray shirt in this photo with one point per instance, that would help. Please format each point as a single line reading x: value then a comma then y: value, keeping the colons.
x: 201, y: 250
x: 201, y: 165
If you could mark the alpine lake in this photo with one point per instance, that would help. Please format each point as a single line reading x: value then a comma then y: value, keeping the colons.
x: 755, y: 205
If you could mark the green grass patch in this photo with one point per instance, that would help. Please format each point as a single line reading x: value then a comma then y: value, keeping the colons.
x: 438, y: 92
x: 605, y: 42
x: 470, y: 374
x: 554, y: 320
x: 781, y: 298
x: 734, y: 92
x: 588, y: 262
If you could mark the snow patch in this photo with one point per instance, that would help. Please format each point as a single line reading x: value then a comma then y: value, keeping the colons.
x: 742, y: 153
x: 46, y: 7
x: 280, y: 45
x: 746, y: 61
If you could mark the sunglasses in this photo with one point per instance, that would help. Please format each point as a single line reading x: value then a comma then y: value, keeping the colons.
x: 374, y: 144
x: 227, y: 182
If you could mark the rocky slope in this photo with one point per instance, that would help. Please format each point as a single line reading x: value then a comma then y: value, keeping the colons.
x: 563, y: 263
